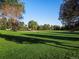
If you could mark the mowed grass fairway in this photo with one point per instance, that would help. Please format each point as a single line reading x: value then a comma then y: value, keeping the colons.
x: 39, y: 45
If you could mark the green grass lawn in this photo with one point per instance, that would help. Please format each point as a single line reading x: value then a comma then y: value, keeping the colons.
x: 39, y: 45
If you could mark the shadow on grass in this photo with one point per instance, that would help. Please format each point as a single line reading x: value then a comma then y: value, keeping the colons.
x: 21, y: 39
x: 68, y: 32
x: 54, y: 37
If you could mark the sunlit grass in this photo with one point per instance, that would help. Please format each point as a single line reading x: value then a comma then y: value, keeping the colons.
x: 39, y: 45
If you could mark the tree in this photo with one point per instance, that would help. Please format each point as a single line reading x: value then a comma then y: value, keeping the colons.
x: 12, y: 9
x: 33, y: 25
x: 46, y: 27
x: 64, y: 28
x: 56, y: 27
x: 40, y: 27
x: 52, y: 27
x: 3, y: 23
x: 69, y: 13
x: 9, y: 24
x: 22, y: 26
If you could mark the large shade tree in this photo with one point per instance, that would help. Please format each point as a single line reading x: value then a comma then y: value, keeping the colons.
x: 69, y: 13
x: 12, y: 9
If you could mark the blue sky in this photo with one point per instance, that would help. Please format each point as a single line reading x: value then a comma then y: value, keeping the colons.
x: 42, y: 11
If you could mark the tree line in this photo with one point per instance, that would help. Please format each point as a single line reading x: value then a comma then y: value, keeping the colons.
x: 7, y: 24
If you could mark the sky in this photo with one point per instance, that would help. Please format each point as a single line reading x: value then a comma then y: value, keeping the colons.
x: 42, y: 11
